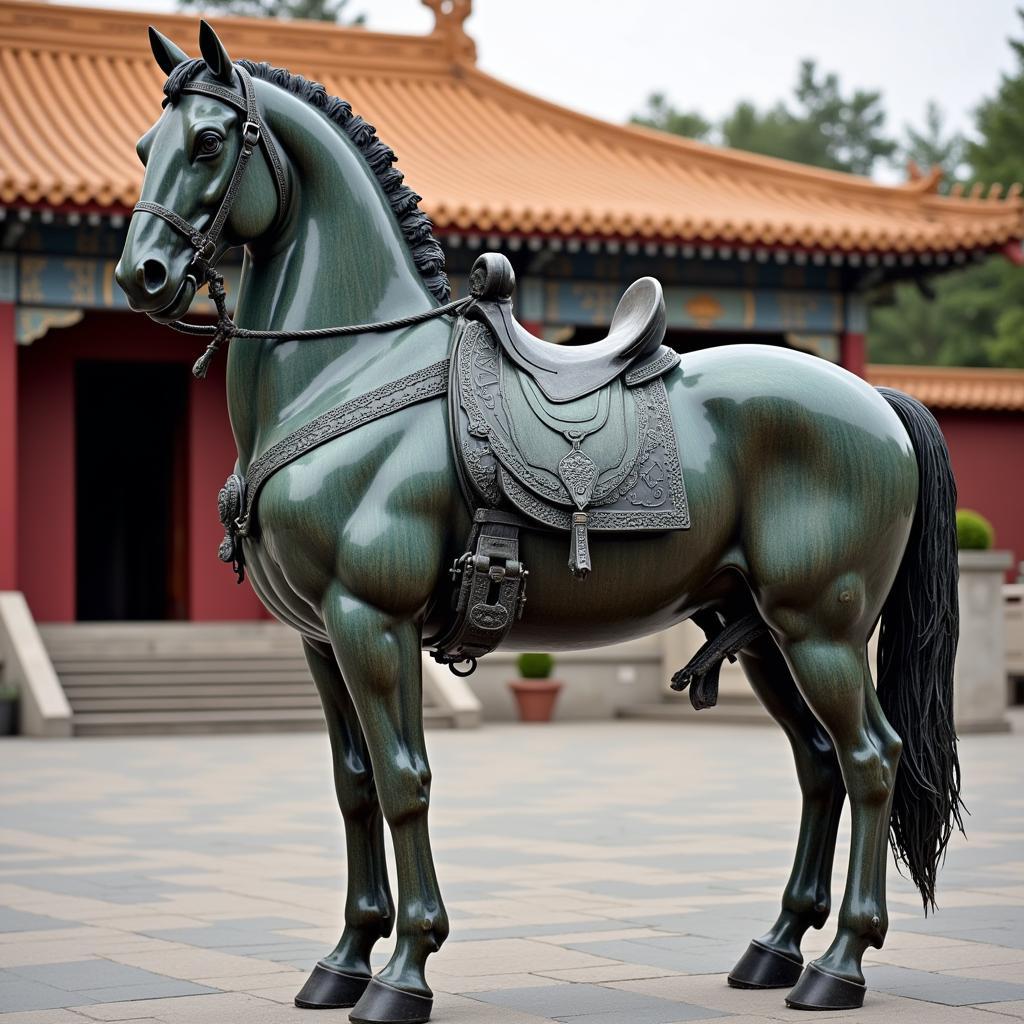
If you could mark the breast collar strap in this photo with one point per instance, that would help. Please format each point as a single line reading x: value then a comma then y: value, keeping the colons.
x: 254, y: 134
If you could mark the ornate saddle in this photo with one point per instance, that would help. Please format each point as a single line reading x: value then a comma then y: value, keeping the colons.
x: 564, y: 373
x: 573, y: 439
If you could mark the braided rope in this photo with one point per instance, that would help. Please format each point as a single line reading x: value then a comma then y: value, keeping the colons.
x: 225, y: 329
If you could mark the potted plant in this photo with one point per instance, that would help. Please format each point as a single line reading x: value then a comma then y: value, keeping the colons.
x: 973, y: 531
x: 534, y: 690
x: 8, y: 710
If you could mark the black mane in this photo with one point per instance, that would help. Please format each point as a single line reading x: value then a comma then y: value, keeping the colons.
x: 415, y: 224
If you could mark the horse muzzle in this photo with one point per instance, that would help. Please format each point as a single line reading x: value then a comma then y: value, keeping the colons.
x: 151, y: 288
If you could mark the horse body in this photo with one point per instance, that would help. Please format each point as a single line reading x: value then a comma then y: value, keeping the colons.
x: 803, y: 486
x: 776, y: 486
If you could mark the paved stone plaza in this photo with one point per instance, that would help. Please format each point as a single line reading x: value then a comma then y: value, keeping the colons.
x: 595, y: 874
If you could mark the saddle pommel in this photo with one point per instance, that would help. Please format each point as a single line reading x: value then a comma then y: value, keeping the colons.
x: 492, y: 277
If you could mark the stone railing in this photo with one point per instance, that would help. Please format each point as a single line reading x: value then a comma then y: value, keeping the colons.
x: 44, y: 710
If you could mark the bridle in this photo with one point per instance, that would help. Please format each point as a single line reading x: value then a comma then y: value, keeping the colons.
x: 202, y: 269
x: 253, y: 134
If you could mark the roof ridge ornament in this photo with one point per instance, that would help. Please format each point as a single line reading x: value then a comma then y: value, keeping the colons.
x: 449, y: 24
x: 923, y: 181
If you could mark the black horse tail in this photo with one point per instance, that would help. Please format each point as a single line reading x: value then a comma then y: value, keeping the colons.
x: 916, y: 649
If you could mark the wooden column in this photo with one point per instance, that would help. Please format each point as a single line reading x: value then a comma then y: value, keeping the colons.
x: 853, y: 339
x: 8, y: 449
x: 853, y: 352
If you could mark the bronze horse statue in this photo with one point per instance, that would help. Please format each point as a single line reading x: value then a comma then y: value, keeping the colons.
x: 817, y: 508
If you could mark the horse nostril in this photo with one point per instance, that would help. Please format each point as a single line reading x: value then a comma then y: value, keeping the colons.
x: 152, y: 275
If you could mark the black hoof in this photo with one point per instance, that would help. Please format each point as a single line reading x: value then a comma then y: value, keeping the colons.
x: 329, y: 988
x: 761, y: 967
x: 382, y: 1003
x: 818, y: 990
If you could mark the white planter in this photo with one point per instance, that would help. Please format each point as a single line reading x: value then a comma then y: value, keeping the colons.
x: 980, y: 690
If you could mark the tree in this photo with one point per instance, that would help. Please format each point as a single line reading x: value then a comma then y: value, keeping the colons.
x: 997, y: 154
x: 932, y: 147
x: 823, y: 127
x: 313, y: 10
x: 851, y: 128
x: 977, y: 315
x: 976, y: 318
x: 661, y: 114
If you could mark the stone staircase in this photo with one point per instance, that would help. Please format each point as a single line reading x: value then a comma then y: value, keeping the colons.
x: 185, y: 677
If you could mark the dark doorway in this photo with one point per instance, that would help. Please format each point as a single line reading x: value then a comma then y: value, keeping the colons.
x: 131, y: 490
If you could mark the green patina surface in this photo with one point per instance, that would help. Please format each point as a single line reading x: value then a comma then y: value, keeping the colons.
x: 801, y: 481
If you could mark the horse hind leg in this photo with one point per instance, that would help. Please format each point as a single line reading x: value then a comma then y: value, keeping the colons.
x: 774, y: 960
x: 341, y: 977
x: 835, y: 680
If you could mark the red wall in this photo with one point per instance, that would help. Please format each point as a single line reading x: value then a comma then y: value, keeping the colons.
x: 8, y: 449
x: 987, y: 449
x: 46, y: 464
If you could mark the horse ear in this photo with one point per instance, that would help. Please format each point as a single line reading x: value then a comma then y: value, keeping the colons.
x: 168, y: 55
x: 216, y: 57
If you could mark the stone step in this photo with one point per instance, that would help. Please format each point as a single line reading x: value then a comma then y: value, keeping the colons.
x: 196, y: 702
x: 162, y: 723
x: 228, y: 676
x: 99, y: 689
x: 171, y: 677
x: 183, y: 665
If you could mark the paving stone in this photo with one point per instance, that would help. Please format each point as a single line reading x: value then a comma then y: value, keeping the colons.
x: 211, y: 865
x: 12, y: 920
x: 684, y: 953
x: 54, y: 1016
x: 941, y: 988
x: 25, y: 994
x: 83, y: 975
x: 667, y: 1013
x: 155, y: 989
x: 560, y: 1001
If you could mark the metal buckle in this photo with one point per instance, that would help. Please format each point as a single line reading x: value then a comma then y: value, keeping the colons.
x: 204, y: 247
x: 254, y: 128
x: 459, y: 564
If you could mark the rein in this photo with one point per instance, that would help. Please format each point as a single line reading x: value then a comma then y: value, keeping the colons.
x: 202, y: 269
x: 225, y: 329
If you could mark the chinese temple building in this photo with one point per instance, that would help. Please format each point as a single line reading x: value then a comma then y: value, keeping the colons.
x: 111, y: 455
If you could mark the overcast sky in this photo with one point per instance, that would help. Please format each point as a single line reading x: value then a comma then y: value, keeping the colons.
x: 605, y: 56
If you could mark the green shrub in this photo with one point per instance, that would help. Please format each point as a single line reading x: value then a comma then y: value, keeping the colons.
x: 973, y: 531
x: 8, y: 692
x: 535, y: 666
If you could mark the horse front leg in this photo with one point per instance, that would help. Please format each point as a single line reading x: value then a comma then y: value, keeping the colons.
x: 340, y: 978
x: 774, y: 960
x: 379, y: 657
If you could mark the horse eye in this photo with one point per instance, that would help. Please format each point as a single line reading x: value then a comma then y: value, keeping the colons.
x: 208, y: 144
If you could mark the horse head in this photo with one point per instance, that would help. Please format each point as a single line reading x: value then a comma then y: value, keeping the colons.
x: 196, y: 203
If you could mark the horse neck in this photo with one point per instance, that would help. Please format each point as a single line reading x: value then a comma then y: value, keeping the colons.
x: 341, y: 259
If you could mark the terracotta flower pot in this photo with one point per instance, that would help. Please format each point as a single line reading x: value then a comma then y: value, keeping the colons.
x: 535, y: 698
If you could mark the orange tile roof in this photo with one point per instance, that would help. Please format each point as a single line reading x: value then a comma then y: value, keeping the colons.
x: 78, y: 86
x: 954, y: 387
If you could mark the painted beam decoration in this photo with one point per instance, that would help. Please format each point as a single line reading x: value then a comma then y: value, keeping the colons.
x: 771, y: 310
x: 88, y: 283
x: 48, y: 290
